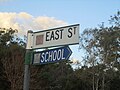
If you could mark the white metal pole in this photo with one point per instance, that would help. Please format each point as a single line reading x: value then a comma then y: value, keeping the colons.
x: 27, y: 61
x: 26, y: 77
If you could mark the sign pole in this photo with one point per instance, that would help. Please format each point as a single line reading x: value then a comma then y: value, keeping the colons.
x: 27, y: 62
x: 26, y: 77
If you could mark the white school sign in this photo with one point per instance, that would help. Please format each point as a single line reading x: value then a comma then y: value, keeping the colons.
x: 54, y: 37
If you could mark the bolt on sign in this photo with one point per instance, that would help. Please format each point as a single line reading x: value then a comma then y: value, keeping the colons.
x: 54, y: 37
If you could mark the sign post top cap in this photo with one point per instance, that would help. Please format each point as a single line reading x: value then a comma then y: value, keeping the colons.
x: 30, y: 31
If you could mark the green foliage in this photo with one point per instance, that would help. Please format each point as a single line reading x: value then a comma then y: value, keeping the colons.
x: 102, y: 46
x: 11, y: 52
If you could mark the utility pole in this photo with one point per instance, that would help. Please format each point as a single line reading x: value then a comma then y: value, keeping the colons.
x: 27, y: 61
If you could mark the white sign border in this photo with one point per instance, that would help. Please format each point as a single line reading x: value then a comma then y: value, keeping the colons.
x: 31, y: 38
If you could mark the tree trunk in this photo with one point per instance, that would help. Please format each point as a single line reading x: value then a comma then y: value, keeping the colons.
x: 97, y: 83
x: 93, y: 82
x: 103, y: 82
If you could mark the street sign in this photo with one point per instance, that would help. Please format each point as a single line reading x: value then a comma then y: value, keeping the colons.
x: 52, y: 55
x: 54, y: 37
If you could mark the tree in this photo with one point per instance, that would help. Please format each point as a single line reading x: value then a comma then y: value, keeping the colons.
x: 12, y: 58
x: 51, y: 76
x: 102, y: 46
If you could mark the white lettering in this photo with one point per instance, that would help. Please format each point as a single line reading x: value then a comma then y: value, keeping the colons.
x: 42, y: 57
x: 46, y: 60
x: 59, y: 54
x: 62, y: 54
x: 54, y: 55
x: 50, y: 56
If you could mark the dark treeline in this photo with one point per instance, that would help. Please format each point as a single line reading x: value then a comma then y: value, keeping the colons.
x: 100, y: 68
